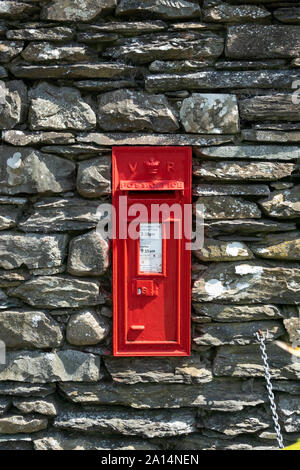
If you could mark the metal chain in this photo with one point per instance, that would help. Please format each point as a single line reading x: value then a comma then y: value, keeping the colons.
x: 261, y: 339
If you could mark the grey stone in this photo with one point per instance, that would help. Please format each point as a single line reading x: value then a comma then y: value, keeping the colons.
x: 216, y: 80
x: 88, y: 255
x: 77, y: 151
x: 215, y: 334
x: 104, y: 85
x: 218, y: 250
x: 29, y: 329
x: 13, y: 103
x: 26, y: 170
x: 21, y: 424
x: 279, y: 246
x: 220, y: 12
x: 161, y: 423
x: 241, y: 171
x: 96, y: 37
x: 128, y: 110
x: 32, y: 250
x: 26, y: 389
x: 177, y: 46
x: 61, y: 366
x: 15, y: 442
x: 73, y: 71
x: 156, y: 8
x: 289, y: 411
x: 235, y: 313
x: 47, y: 52
x: 253, y: 135
x: 244, y: 227
x: 87, y: 328
x: 170, y: 370
x: 227, y: 207
x: 94, y: 177
x: 210, y: 114
x: 288, y: 15
x: 61, y: 214
x: 55, y: 33
x: 45, y: 406
x: 250, y: 64
x: 274, y: 107
x: 9, y: 50
x: 248, y: 283
x: 282, y: 204
x: 126, y: 28
x: 262, y: 42
x: 24, y: 138
x: 215, y: 189
x: 179, y: 66
x: 16, y: 10
x: 58, y: 441
x: 154, y: 139
x: 233, y: 424
x: 218, y: 395
x: 10, y: 211
x: 76, y: 10
x: 198, y: 442
x: 59, y: 108
x: 59, y: 292
x: 292, y: 326
x: 3, y: 72
x: 250, y: 152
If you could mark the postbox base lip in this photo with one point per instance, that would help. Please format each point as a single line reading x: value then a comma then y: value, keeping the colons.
x: 153, y: 353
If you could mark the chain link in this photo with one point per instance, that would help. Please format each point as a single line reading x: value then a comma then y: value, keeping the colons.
x: 261, y: 339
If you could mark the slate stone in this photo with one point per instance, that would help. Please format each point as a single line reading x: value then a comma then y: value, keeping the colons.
x: 243, y: 171
x: 147, y: 48
x: 255, y: 227
x: 26, y: 170
x: 233, y: 424
x: 198, y: 441
x: 282, y: 204
x: 16, y: 442
x: 128, y: 110
x: 21, y: 424
x: 210, y: 114
x: 94, y: 177
x: 292, y: 326
x: 215, y: 334
x: 61, y: 214
x: 60, y: 441
x: 24, y: 138
x: 276, y: 107
x: 73, y: 71
x: 253, y: 135
x: 18, y: 389
x: 126, y: 28
x: 288, y: 15
x: 13, y: 101
x: 161, y: 423
x: 235, y: 313
x: 104, y: 85
x: 29, y: 329
x: 16, y: 10
x: 250, y: 64
x: 227, y: 207
x: 42, y: 406
x: 10, y: 211
x: 59, y: 109
x: 156, y: 8
x: 31, y: 250
x: 179, y: 66
x: 216, y: 80
x: 245, y: 361
x: 248, y: 283
x: 62, y: 366
x: 123, y: 138
x: 88, y: 255
x: 217, y: 250
x: 278, y: 246
x: 74, y: 10
x: 216, y: 189
x: 220, y: 12
x: 218, y: 395
x: 47, y: 52
x: 262, y: 42
x: 87, y: 328
x: 250, y: 152
x: 9, y: 50
x: 55, y: 33
x: 59, y: 292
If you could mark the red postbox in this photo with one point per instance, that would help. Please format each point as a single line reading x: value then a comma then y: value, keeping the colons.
x: 151, y: 257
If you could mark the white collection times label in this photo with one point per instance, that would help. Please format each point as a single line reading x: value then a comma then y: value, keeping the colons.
x: 150, y: 248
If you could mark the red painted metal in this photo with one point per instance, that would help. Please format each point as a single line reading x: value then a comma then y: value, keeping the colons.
x: 152, y: 298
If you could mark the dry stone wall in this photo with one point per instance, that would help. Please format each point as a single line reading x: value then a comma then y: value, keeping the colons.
x: 78, y: 77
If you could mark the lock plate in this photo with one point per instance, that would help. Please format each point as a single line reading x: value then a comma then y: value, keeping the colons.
x: 144, y: 288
